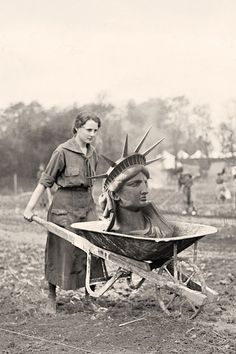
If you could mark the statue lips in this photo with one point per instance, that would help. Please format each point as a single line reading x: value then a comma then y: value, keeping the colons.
x: 143, y: 198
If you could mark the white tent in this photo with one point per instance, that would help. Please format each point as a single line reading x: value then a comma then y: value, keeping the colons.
x: 168, y: 160
x: 229, y: 154
x: 197, y: 155
x: 182, y: 154
x: 216, y: 155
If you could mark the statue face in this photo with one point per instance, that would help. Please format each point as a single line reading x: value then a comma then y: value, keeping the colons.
x: 133, y: 194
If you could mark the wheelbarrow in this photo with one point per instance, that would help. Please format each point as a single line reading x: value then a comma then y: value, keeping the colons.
x: 178, y: 281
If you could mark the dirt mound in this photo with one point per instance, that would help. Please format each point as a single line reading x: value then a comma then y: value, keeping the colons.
x: 118, y: 322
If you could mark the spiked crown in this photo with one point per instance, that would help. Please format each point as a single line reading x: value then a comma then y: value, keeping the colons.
x: 126, y: 161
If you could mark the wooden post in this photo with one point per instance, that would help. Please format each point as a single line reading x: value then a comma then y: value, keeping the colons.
x: 234, y: 192
x: 175, y: 260
x: 15, y: 183
x: 195, y: 252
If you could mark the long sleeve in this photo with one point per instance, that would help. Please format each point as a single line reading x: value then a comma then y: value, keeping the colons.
x: 53, y: 169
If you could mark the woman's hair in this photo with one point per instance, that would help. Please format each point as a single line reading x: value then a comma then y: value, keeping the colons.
x: 83, y: 117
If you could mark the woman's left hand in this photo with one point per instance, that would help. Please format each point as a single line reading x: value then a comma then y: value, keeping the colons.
x: 28, y: 214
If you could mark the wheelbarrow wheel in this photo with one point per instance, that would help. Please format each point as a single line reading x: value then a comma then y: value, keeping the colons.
x: 186, y: 274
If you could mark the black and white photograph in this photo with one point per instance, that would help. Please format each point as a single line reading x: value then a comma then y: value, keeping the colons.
x: 118, y: 176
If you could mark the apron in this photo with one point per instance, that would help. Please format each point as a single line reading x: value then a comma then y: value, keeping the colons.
x: 65, y: 264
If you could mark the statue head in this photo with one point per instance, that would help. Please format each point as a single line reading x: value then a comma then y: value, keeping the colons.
x: 125, y: 182
x: 132, y: 192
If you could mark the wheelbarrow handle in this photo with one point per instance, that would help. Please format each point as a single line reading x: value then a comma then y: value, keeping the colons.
x: 40, y: 221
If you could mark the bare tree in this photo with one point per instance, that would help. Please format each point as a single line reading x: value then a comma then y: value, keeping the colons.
x: 227, y: 128
x: 176, y: 122
x: 227, y: 136
x: 203, y: 128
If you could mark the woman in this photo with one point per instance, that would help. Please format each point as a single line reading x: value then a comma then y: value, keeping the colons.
x: 70, y: 165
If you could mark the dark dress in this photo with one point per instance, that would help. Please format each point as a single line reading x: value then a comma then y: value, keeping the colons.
x: 65, y: 264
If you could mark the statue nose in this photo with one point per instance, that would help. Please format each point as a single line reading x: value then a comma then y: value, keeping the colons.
x: 144, y: 188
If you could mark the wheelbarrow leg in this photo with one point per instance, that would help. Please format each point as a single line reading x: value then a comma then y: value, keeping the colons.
x: 161, y: 302
x: 97, y: 293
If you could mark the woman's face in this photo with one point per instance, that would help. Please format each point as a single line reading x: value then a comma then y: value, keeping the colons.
x: 87, y: 133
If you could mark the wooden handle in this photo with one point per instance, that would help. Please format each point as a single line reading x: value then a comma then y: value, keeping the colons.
x: 40, y: 221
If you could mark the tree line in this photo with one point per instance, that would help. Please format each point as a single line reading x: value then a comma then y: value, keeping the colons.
x: 30, y: 132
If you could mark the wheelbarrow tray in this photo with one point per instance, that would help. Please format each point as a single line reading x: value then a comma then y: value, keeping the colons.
x: 157, y: 250
x: 132, y: 254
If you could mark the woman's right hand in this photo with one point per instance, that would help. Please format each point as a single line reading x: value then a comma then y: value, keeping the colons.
x: 28, y: 214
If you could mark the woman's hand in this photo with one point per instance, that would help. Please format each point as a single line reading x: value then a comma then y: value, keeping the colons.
x: 28, y: 214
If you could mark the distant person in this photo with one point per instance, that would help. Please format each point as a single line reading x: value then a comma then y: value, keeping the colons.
x: 185, y: 183
x: 220, y: 185
x: 222, y: 191
x: 233, y: 172
x: 220, y: 176
x: 69, y: 167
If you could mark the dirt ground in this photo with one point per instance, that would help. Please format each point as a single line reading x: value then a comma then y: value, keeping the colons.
x: 101, y: 326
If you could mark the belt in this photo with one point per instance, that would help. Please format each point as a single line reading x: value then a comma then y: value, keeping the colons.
x: 80, y: 188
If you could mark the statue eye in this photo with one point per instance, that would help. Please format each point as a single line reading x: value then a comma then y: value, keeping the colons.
x: 135, y: 183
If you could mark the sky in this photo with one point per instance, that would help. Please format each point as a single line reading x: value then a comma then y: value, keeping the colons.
x: 61, y: 52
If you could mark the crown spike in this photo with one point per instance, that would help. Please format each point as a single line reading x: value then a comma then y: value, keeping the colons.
x: 152, y: 147
x: 154, y: 160
x: 138, y: 147
x: 125, y: 148
x: 110, y: 162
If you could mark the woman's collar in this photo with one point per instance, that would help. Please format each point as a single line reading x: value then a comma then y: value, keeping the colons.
x: 72, y: 145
